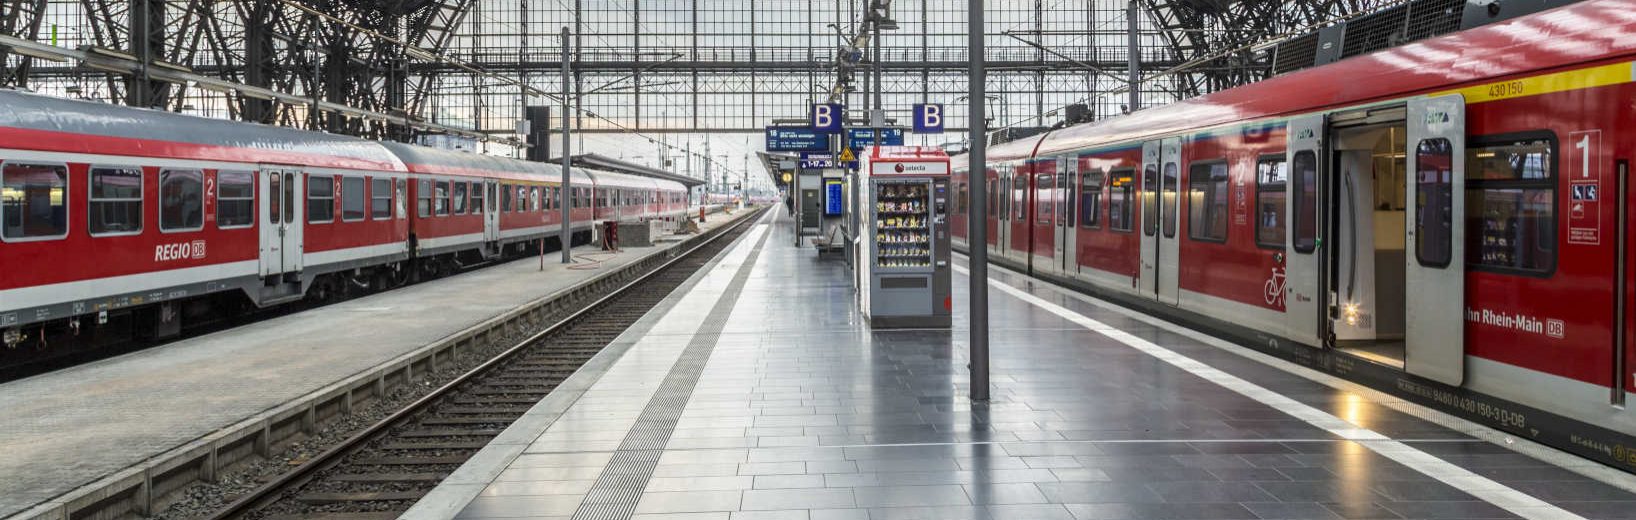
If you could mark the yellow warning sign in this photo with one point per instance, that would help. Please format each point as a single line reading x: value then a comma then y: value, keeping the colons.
x: 846, y: 156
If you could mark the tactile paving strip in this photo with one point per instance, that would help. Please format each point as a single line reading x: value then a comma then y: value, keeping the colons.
x: 619, y: 487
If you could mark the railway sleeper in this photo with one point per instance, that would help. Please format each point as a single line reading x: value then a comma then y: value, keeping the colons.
x: 431, y: 477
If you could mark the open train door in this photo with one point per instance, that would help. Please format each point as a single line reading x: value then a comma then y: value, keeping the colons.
x: 1148, y: 276
x: 1301, y: 281
x: 1434, y: 274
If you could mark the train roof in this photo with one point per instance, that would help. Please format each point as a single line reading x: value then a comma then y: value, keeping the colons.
x: 156, y: 133
x: 1563, y: 37
x: 607, y: 179
x: 422, y: 159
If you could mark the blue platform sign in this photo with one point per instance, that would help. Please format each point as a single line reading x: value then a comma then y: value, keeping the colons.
x: 862, y: 138
x: 817, y: 161
x: 827, y: 117
x: 833, y: 202
x: 791, y: 139
x: 928, y: 118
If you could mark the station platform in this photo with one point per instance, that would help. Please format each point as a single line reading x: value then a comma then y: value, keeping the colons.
x: 761, y: 393
x: 121, y: 428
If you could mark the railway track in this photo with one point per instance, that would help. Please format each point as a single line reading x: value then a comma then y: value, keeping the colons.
x: 381, y: 471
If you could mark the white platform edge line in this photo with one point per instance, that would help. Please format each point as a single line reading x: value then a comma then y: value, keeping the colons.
x: 1586, y: 468
x: 1516, y: 502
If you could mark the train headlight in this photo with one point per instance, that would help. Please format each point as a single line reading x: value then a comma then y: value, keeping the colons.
x: 1350, y: 312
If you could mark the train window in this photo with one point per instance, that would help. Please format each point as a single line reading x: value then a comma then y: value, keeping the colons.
x: 1020, y: 197
x: 1043, y: 203
x: 423, y: 198
x: 1434, y: 199
x: 1304, y: 184
x: 522, y: 198
x: 1150, y: 200
x: 1207, y: 194
x: 1271, y: 176
x: 380, y: 199
x: 34, y: 198
x: 181, y: 200
x: 320, y: 199
x: 235, y: 199
x: 440, y: 198
x: 352, y: 199
x: 476, y: 191
x: 1122, y: 199
x: 1090, y: 199
x: 1061, y: 196
x: 1170, y: 182
x: 961, y: 197
x: 116, y: 200
x: 398, y: 196
x: 988, y: 195
x: 458, y: 204
x: 534, y: 198
x: 273, y: 205
x: 1511, y: 204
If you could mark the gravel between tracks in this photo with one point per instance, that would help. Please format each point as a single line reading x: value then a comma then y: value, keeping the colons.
x: 203, y: 499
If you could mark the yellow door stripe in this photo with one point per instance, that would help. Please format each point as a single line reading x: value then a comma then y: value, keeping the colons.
x: 1546, y: 83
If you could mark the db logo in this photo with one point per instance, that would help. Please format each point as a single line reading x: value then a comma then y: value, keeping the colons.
x: 179, y: 251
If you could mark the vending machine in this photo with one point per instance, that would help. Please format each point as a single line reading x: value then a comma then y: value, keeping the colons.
x: 903, y: 256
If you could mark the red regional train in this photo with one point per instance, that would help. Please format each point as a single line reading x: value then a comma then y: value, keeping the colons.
x: 1446, y: 220
x: 119, y: 222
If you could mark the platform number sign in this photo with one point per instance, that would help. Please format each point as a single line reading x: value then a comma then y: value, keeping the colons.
x: 928, y: 118
x: 1585, y: 188
x: 826, y: 117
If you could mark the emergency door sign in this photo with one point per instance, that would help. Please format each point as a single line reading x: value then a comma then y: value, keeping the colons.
x: 1585, y: 187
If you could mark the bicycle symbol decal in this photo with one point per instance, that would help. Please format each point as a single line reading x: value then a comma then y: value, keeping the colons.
x: 1273, y: 290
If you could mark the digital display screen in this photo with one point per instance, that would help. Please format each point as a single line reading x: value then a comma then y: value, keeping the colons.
x: 833, y: 204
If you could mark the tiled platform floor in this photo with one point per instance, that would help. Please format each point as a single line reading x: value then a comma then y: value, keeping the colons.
x: 803, y: 412
x: 69, y: 428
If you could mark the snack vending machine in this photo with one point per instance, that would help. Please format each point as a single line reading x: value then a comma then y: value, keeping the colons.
x: 905, y: 260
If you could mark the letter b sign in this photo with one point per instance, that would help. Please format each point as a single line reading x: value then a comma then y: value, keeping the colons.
x: 928, y: 118
x: 826, y: 117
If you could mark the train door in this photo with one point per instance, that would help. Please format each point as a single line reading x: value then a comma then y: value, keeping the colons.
x: 1022, y: 207
x: 1170, y: 158
x: 1042, y: 222
x: 992, y: 196
x: 281, y: 216
x: 491, y: 211
x: 1067, y: 176
x: 1434, y: 273
x: 1301, y: 279
x: 1148, y: 274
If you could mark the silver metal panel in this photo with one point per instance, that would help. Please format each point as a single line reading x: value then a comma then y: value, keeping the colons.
x: 1435, y: 280
x: 1303, y: 266
x: 1147, y: 217
x: 1170, y: 230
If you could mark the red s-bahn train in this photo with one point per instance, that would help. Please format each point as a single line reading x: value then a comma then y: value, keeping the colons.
x: 129, y: 219
x: 1445, y: 220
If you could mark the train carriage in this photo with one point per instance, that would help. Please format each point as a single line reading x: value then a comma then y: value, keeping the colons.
x: 1452, y: 210
x: 100, y: 213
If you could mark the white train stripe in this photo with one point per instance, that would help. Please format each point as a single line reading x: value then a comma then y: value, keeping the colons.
x: 82, y: 290
x: 1517, y: 502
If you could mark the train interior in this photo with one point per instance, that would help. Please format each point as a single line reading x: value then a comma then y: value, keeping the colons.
x: 1369, y: 194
